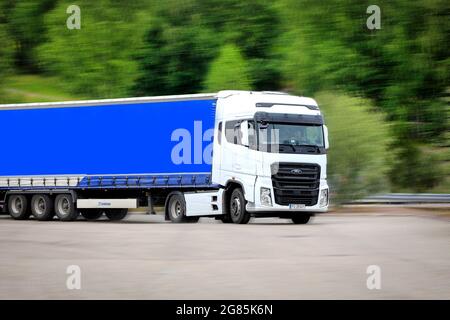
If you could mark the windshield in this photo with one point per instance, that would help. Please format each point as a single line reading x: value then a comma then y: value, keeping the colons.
x: 291, y: 138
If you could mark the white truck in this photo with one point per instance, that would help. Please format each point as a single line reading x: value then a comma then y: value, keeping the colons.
x: 230, y: 155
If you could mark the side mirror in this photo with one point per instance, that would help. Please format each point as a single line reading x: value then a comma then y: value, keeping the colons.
x: 243, y: 130
x: 325, y: 136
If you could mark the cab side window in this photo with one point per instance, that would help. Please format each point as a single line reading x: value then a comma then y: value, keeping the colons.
x: 219, y: 134
x: 232, y: 132
x: 252, y: 135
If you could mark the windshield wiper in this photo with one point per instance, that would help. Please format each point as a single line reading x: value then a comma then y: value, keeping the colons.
x: 290, y: 145
x: 316, y: 147
x: 308, y: 145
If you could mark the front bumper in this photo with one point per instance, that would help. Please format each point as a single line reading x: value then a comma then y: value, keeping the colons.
x: 258, y: 207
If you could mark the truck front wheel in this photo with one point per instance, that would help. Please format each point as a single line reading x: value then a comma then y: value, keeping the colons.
x: 237, y: 207
x: 301, y: 218
x: 18, y: 207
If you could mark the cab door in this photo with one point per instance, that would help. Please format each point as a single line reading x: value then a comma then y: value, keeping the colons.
x: 238, y: 154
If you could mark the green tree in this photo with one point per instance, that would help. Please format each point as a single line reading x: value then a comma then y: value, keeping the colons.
x: 25, y: 21
x: 403, y: 67
x: 6, y: 54
x: 98, y: 59
x: 228, y: 71
x: 187, y: 35
x: 254, y: 27
x: 174, y: 59
x: 359, y: 138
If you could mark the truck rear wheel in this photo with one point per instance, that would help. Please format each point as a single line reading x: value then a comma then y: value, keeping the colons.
x: 92, y: 214
x: 65, y: 208
x: 42, y: 207
x: 301, y: 218
x: 18, y: 207
x: 237, y: 207
x: 116, y: 214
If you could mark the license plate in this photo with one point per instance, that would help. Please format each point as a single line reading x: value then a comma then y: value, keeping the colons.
x: 296, y: 206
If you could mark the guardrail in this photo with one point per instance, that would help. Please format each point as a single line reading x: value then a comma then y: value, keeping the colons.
x: 401, y: 198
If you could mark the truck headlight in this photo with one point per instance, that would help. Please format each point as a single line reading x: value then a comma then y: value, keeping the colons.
x: 266, y: 197
x: 323, y: 202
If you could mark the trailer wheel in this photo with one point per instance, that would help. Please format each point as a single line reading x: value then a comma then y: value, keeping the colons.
x: 91, y: 214
x: 42, y: 207
x: 301, y: 218
x: 237, y: 207
x: 65, y: 208
x: 177, y: 209
x: 18, y: 207
x: 116, y: 214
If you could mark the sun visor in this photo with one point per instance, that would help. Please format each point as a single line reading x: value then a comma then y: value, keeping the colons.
x: 289, y: 118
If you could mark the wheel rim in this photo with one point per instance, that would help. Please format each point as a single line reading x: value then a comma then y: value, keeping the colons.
x: 17, y: 205
x: 64, y: 206
x: 176, y: 209
x: 40, y: 206
x: 236, y: 207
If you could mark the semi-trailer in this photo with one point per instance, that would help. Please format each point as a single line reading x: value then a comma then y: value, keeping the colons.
x: 230, y: 155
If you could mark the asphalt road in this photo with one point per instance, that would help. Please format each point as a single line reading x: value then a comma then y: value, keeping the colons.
x: 144, y: 257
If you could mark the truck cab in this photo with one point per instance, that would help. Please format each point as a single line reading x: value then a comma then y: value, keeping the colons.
x: 271, y: 147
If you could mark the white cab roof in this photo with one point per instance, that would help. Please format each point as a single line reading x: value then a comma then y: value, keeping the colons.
x: 238, y: 104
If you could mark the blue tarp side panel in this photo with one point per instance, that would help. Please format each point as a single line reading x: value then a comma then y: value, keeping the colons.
x: 131, y: 139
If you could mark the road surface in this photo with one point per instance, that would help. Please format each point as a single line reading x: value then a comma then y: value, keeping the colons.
x: 144, y: 257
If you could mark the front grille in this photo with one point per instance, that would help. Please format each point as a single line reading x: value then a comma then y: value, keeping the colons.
x: 296, y: 183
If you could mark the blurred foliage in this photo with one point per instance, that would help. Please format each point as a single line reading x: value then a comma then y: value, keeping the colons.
x: 425, y: 174
x: 186, y: 36
x: 35, y: 88
x: 229, y: 70
x: 359, y: 139
x: 174, y: 59
x: 25, y: 21
x: 402, y: 68
x: 97, y: 60
x: 127, y: 48
x: 6, y: 54
x: 254, y: 27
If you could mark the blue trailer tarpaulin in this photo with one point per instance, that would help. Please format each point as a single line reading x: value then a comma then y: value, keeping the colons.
x: 116, y: 139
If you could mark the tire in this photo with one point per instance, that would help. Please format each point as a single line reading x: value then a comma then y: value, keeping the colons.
x: 116, y: 214
x: 301, y: 218
x: 92, y: 214
x: 226, y: 218
x: 176, y: 208
x: 42, y: 207
x: 18, y: 207
x: 237, y: 207
x: 65, y: 208
x: 193, y: 219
